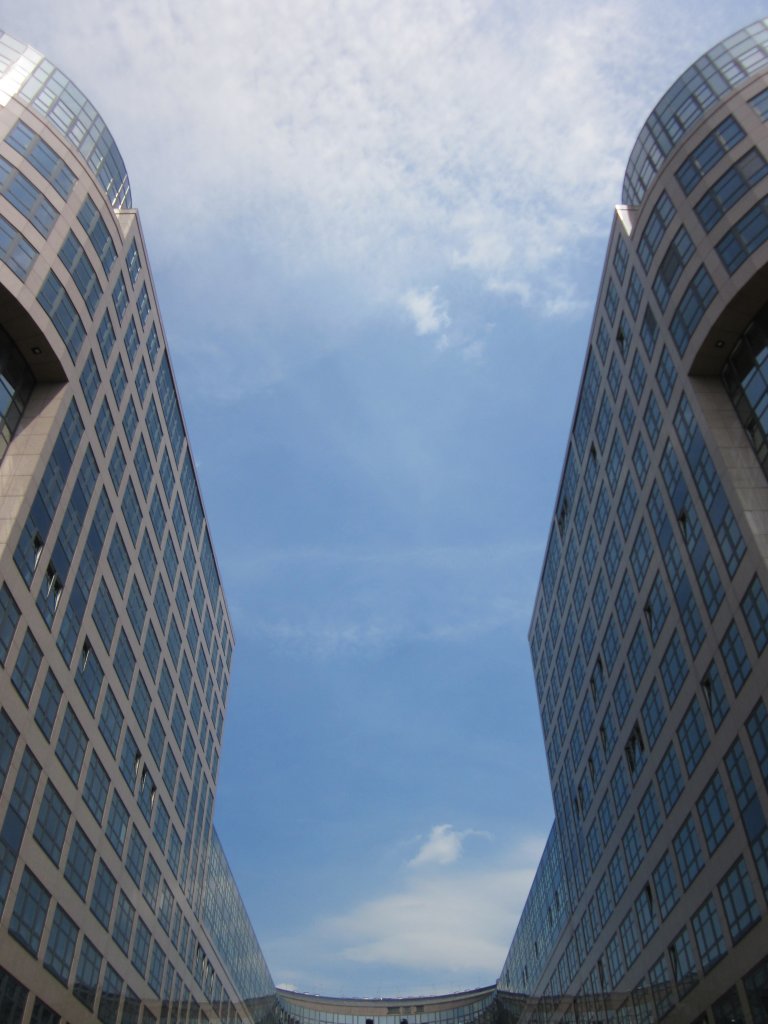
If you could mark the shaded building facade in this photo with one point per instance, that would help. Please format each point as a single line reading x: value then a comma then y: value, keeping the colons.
x: 650, y: 627
x: 117, y: 901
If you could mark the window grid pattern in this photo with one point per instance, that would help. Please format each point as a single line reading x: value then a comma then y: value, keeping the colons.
x: 181, y: 820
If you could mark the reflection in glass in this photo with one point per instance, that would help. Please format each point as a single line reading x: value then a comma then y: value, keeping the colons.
x: 16, y: 383
x: 745, y: 376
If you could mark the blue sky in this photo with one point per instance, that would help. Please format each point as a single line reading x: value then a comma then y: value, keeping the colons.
x: 376, y: 230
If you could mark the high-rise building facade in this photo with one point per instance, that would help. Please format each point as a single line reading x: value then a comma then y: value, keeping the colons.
x: 116, y: 898
x: 650, y: 630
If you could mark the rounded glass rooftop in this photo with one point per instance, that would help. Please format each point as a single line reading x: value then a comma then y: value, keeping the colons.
x: 707, y: 81
x: 476, y: 1006
x: 27, y: 76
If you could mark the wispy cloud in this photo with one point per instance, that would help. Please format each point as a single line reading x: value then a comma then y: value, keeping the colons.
x: 336, y: 635
x: 323, y: 638
x: 430, y: 317
x: 444, y: 845
x: 452, y: 923
x: 354, y: 600
x: 463, y: 922
x: 428, y: 314
x: 379, y: 137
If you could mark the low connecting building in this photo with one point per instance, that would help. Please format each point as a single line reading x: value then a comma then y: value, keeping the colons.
x: 649, y: 633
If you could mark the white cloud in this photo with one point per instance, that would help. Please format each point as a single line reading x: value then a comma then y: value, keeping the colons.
x: 324, y: 638
x: 460, y: 920
x: 473, y: 351
x: 428, y: 315
x: 444, y: 846
x: 441, y: 929
x: 380, y: 137
x: 564, y: 303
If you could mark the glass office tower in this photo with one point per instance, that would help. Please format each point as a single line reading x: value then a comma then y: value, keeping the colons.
x: 650, y: 627
x: 115, y: 641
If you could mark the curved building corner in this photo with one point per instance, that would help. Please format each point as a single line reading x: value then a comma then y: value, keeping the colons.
x: 117, y: 901
x: 650, y: 628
